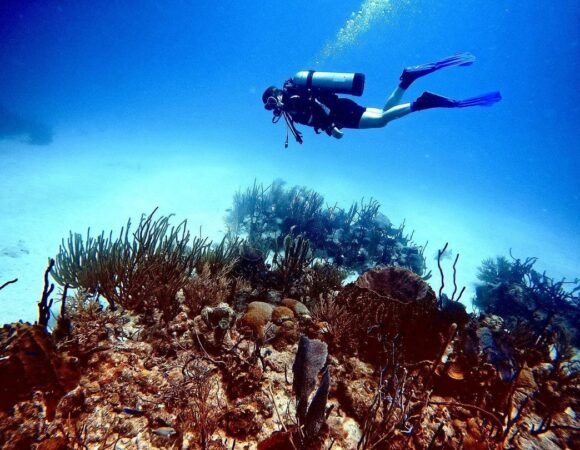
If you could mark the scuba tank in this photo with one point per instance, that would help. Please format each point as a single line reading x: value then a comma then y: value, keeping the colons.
x: 335, y: 82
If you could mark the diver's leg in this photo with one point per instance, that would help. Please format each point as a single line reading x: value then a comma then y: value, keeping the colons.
x: 378, y: 118
x: 395, y: 98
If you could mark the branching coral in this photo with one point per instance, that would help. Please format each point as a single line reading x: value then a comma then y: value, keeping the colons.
x: 77, y: 262
x: 503, y: 270
x: 336, y: 322
x: 251, y: 211
x: 207, y: 289
x: 359, y: 237
x: 389, y: 408
x: 289, y: 265
x: 410, y: 370
x: 141, y: 272
x: 323, y: 279
x: 197, y: 399
x: 220, y: 258
x: 517, y: 292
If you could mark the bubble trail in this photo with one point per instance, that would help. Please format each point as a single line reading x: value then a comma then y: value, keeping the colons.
x: 359, y: 22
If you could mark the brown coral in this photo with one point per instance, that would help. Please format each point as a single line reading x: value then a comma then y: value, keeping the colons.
x: 281, y: 314
x: 257, y: 317
x: 297, y: 307
x: 272, y: 323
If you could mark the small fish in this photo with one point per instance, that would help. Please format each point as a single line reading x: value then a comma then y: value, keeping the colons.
x: 132, y: 411
x: 164, y: 431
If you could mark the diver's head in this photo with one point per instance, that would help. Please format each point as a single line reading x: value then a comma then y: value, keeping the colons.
x: 271, y: 98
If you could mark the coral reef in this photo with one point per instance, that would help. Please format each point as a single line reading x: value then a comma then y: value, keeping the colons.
x: 165, y: 342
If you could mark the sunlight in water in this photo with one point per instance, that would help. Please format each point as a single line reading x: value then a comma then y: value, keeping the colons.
x: 359, y: 22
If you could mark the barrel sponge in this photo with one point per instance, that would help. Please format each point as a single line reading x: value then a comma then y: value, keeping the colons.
x: 299, y: 308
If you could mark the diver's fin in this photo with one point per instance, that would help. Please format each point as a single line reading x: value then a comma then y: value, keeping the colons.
x: 481, y: 100
x: 429, y: 100
x: 410, y: 74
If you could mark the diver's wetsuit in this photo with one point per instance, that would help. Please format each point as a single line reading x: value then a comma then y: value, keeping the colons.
x: 322, y: 111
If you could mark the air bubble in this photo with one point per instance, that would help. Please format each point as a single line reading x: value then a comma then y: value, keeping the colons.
x: 358, y: 23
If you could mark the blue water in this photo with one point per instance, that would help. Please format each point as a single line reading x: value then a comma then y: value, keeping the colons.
x: 155, y: 103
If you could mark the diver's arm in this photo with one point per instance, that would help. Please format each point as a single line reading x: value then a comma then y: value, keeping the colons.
x: 336, y: 133
x: 295, y: 103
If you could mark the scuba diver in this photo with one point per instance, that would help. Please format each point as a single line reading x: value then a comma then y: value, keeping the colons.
x: 309, y: 98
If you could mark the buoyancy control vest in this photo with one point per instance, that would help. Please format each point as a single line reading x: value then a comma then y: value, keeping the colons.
x: 310, y: 108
